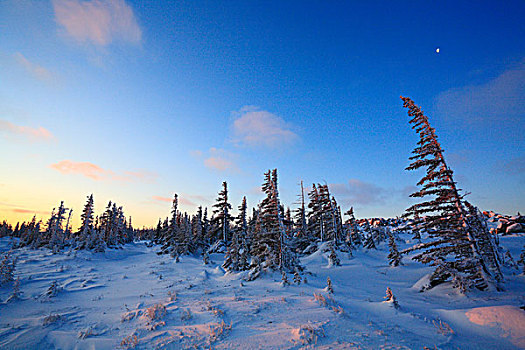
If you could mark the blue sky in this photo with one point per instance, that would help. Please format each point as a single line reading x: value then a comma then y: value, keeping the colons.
x: 133, y: 101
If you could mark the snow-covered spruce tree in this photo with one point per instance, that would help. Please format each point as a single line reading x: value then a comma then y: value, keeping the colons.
x: 206, y: 228
x: 68, y: 232
x: 171, y: 232
x: 334, y: 219
x: 54, y: 234
x: 327, y: 214
x: 370, y: 235
x: 521, y: 261
x: 221, y: 218
x: 96, y: 242
x: 236, y: 258
x: 341, y: 232
x: 112, y: 226
x: 315, y: 218
x: 105, y: 224
x: 186, y: 244
x: 369, y: 242
x: 5, y: 229
x: 31, y: 237
x: 87, y: 229
x: 7, y: 269
x: 453, y: 248
x: 288, y: 222
x: 322, y: 217
x: 333, y: 259
x: 198, y: 232
x: 394, y: 257
x: 300, y: 215
x: 253, y: 226
x: 122, y: 234
x: 301, y: 237
x: 157, y: 236
x: 269, y: 247
x: 354, y: 237
x: 486, y: 242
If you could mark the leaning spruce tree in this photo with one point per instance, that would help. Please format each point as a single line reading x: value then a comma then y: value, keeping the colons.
x: 453, y: 246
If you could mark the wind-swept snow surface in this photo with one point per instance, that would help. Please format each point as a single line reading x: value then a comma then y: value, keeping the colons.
x: 132, y: 297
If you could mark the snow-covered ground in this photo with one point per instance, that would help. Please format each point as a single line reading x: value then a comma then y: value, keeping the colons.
x: 132, y: 297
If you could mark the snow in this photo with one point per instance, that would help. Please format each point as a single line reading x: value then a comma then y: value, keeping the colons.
x: 509, y: 319
x: 132, y: 297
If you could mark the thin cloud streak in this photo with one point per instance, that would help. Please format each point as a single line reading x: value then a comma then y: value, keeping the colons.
x: 29, y: 211
x: 95, y: 172
x: 34, y: 69
x: 98, y: 22
x: 501, y: 99
x: 33, y: 134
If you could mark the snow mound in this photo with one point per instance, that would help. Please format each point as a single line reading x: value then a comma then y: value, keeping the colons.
x: 510, y: 319
x: 423, y: 283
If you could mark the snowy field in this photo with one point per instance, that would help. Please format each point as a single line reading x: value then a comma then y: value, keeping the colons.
x: 132, y: 297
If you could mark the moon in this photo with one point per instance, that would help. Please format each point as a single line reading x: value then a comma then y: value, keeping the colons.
x: 437, y: 50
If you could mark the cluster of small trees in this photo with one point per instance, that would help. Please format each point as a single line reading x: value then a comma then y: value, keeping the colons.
x: 271, y: 237
x: 110, y: 229
x: 261, y: 240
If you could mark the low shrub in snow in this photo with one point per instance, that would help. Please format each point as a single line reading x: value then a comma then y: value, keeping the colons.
x: 443, y: 328
x: 130, y: 342
x: 308, y: 334
x: 329, y: 302
x: 156, y: 312
x: 186, y: 315
x: 218, y: 331
x: 51, y: 319
x: 53, y: 290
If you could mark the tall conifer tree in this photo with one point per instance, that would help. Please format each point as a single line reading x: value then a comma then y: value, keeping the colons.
x: 453, y: 248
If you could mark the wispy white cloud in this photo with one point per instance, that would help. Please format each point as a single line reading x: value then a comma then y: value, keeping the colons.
x: 501, y: 99
x: 95, y: 172
x: 357, y: 192
x: 34, y: 69
x: 98, y: 22
x: 33, y: 134
x: 255, y: 127
x: 221, y: 160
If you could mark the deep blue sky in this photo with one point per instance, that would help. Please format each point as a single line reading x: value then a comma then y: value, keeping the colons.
x: 136, y: 100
